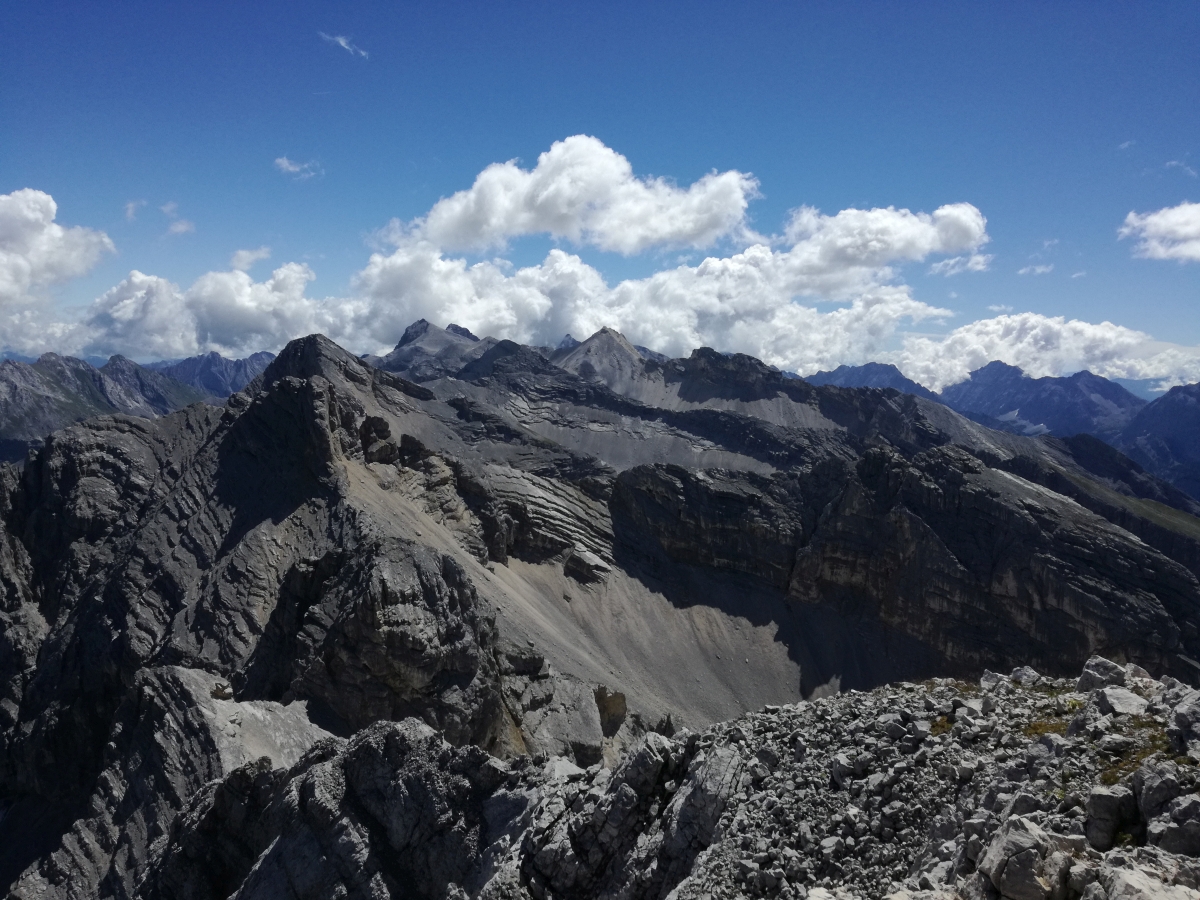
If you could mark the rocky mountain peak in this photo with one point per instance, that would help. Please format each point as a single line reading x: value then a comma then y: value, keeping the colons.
x: 415, y: 331
x: 461, y: 332
x: 315, y: 355
x: 426, y: 351
x: 606, y: 357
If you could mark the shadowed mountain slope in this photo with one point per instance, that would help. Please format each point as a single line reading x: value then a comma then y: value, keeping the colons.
x: 880, y: 375
x: 1165, y: 438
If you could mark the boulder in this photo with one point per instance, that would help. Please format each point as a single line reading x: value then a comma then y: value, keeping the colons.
x: 1020, y: 845
x: 1099, y: 672
x: 1119, y: 701
x: 1108, y: 809
x: 1178, y: 829
x: 1137, y: 884
x: 1155, y: 785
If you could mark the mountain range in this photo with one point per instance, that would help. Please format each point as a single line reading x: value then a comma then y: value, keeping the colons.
x: 1162, y: 436
x: 54, y: 391
x: 342, y: 614
x: 213, y: 374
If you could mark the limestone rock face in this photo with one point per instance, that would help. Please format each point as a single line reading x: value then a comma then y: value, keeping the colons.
x: 170, y: 736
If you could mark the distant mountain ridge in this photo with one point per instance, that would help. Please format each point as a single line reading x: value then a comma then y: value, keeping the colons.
x: 872, y: 374
x: 1161, y: 436
x: 1082, y: 403
x: 55, y: 391
x: 213, y: 374
x: 1164, y: 438
x: 426, y: 352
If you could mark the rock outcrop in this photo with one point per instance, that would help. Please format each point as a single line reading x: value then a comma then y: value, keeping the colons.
x: 1014, y: 788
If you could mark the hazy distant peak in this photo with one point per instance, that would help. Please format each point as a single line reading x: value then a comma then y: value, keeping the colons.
x: 872, y: 374
x: 415, y: 331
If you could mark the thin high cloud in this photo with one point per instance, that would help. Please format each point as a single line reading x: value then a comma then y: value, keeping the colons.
x: 170, y: 209
x: 976, y: 262
x: 344, y: 42
x: 131, y: 209
x: 1045, y: 269
x: 829, y: 289
x: 301, y: 171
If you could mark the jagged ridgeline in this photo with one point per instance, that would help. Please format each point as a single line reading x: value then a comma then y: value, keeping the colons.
x: 569, y: 555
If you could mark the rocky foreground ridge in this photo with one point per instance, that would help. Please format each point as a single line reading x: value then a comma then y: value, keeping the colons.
x: 1019, y: 787
x: 400, y: 594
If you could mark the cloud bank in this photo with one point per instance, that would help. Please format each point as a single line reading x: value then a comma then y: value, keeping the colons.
x: 828, y: 290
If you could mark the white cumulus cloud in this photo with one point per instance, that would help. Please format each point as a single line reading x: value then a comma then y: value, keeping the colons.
x: 245, y: 259
x: 36, y: 252
x: 828, y: 290
x: 582, y: 191
x: 1045, y: 345
x: 148, y: 316
x: 1170, y: 233
x: 755, y: 301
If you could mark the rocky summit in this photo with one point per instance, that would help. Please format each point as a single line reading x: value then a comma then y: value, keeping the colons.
x: 474, y: 620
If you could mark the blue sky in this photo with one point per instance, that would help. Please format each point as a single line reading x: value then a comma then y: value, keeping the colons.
x: 1054, y: 121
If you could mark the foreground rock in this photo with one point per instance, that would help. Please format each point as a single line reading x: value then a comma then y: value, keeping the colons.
x: 1018, y: 788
